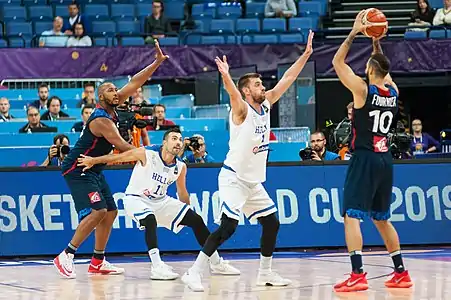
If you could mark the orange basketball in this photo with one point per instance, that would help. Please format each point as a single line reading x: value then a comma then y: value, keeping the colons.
x: 378, y: 22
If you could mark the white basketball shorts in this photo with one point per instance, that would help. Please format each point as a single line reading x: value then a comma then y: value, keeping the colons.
x: 236, y: 196
x: 168, y: 212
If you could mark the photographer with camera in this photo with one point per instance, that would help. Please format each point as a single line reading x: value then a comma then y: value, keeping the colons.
x: 318, y: 150
x: 57, y: 151
x: 159, y: 116
x: 132, y: 125
x: 196, y: 145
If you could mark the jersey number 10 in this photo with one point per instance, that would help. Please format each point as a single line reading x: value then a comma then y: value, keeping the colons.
x: 382, y: 121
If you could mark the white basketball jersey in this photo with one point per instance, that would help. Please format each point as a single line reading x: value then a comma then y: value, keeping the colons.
x: 249, y: 145
x: 153, y: 179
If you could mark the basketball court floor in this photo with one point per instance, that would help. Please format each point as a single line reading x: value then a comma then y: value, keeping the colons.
x: 313, y: 275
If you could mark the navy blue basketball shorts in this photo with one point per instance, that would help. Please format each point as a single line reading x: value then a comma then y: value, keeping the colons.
x: 368, y: 186
x: 89, y: 192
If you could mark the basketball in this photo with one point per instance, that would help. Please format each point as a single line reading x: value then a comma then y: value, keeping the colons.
x: 378, y: 22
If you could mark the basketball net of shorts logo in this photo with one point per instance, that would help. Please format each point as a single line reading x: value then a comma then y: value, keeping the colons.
x: 378, y: 22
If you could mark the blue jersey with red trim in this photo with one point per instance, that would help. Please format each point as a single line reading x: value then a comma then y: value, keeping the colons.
x: 372, y: 122
x: 89, y: 144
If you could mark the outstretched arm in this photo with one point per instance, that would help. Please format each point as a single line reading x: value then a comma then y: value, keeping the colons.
x: 131, y: 155
x: 291, y: 74
x: 378, y: 49
x: 140, y: 78
x: 344, y: 72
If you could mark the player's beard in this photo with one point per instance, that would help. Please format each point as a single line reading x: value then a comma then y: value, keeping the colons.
x: 259, y: 98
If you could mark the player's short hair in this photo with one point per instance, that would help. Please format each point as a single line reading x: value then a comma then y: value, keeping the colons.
x: 380, y: 63
x: 86, y: 107
x: 318, y: 132
x: 244, y: 81
x: 169, y: 131
x: 43, y: 85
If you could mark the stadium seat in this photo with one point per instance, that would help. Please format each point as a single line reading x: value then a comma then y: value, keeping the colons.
x: 66, y: 2
x: 105, y: 42
x: 40, y: 13
x: 169, y: 41
x: 104, y: 27
x: 62, y: 11
x: 415, y: 35
x: 437, y: 4
x: 247, y: 25
x: 204, y: 11
x: 143, y: 1
x: 10, y: 2
x: 212, y: 40
x: 265, y: 39
x: 3, y: 43
x: 34, y: 2
x: 144, y: 10
x: 97, y: 12
x: 127, y: 27
x: 14, y: 13
x: 300, y: 24
x: 274, y: 25
x: 19, y: 28
x: 295, y: 38
x: 255, y: 10
x: 230, y: 39
x: 132, y: 41
x: 211, y: 111
x: 227, y: 11
x: 308, y: 9
x: 222, y: 26
x: 40, y: 27
x: 437, y: 34
x: 174, y: 10
x: 177, y: 100
x: 124, y: 12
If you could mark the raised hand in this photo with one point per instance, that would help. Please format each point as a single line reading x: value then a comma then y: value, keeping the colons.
x: 223, y: 66
x: 359, y: 26
x: 159, y: 55
x: 309, y: 48
x: 85, y: 161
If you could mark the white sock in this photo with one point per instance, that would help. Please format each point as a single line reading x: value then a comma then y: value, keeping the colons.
x: 265, y: 264
x: 200, y: 263
x: 215, y: 258
x: 154, y: 255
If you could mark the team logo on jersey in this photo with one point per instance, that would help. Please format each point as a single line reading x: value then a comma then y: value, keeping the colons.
x: 266, y: 109
x: 260, y: 148
x: 94, y: 197
x: 380, y: 144
x: 147, y: 193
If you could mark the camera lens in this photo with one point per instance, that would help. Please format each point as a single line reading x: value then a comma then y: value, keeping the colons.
x: 65, y: 149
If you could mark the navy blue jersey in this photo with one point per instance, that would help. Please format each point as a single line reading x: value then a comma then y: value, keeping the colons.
x: 372, y: 122
x: 89, y: 144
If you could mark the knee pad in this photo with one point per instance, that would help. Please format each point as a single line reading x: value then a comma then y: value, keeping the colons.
x: 149, y: 221
x: 270, y: 222
x: 226, y: 229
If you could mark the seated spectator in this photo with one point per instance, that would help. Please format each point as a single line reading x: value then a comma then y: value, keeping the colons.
x: 198, y: 150
x: 423, y: 14
x: 422, y: 142
x: 138, y: 98
x: 86, y: 112
x: 43, y: 93
x: 58, y: 151
x: 54, y: 110
x: 89, y: 95
x: 156, y: 25
x: 74, y: 18
x: 318, y: 147
x: 54, y: 37
x: 5, y: 116
x: 159, y: 112
x: 280, y: 8
x: 34, y: 120
x: 79, y: 39
x: 443, y: 15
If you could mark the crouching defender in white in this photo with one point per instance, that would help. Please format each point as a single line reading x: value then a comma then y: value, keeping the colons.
x: 147, y: 202
x: 244, y: 170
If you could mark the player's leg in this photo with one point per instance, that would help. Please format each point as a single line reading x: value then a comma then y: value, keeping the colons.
x: 358, y: 190
x: 261, y: 207
x: 201, y: 232
x: 91, y: 209
x: 381, y: 214
x: 102, y: 234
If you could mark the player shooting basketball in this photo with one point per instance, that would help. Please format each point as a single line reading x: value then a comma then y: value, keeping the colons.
x: 369, y: 180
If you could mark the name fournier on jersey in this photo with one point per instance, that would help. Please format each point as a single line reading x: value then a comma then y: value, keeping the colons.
x: 384, y: 101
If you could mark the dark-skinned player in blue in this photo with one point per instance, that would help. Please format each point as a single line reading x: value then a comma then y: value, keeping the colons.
x: 91, y: 194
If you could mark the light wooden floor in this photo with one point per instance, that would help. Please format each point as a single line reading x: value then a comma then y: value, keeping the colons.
x: 312, y: 277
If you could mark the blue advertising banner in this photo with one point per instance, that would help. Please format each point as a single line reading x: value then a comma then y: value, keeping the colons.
x: 37, y: 216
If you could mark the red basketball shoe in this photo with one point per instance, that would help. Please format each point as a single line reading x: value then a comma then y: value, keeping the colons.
x: 355, y: 283
x: 399, y: 280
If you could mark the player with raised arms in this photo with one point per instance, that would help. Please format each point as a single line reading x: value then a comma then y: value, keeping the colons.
x: 91, y: 194
x: 369, y: 179
x: 147, y: 202
x: 244, y: 170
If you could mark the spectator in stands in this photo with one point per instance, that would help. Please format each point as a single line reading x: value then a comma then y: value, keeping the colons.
x: 54, y: 112
x: 280, y: 8
x: 86, y: 112
x: 156, y: 25
x: 159, y: 112
x: 5, y: 116
x: 79, y: 39
x: 422, y: 142
x: 89, y: 95
x: 74, y: 18
x: 138, y: 98
x: 58, y: 151
x: 43, y: 93
x: 197, y: 153
x: 443, y: 15
x: 423, y: 14
x: 319, y: 152
x: 54, y: 37
x: 34, y: 120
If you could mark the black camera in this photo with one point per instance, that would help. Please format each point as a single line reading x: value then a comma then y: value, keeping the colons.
x: 338, y: 135
x: 127, y: 118
x: 306, y: 153
x: 62, y: 149
x: 399, y: 141
x: 194, y: 144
